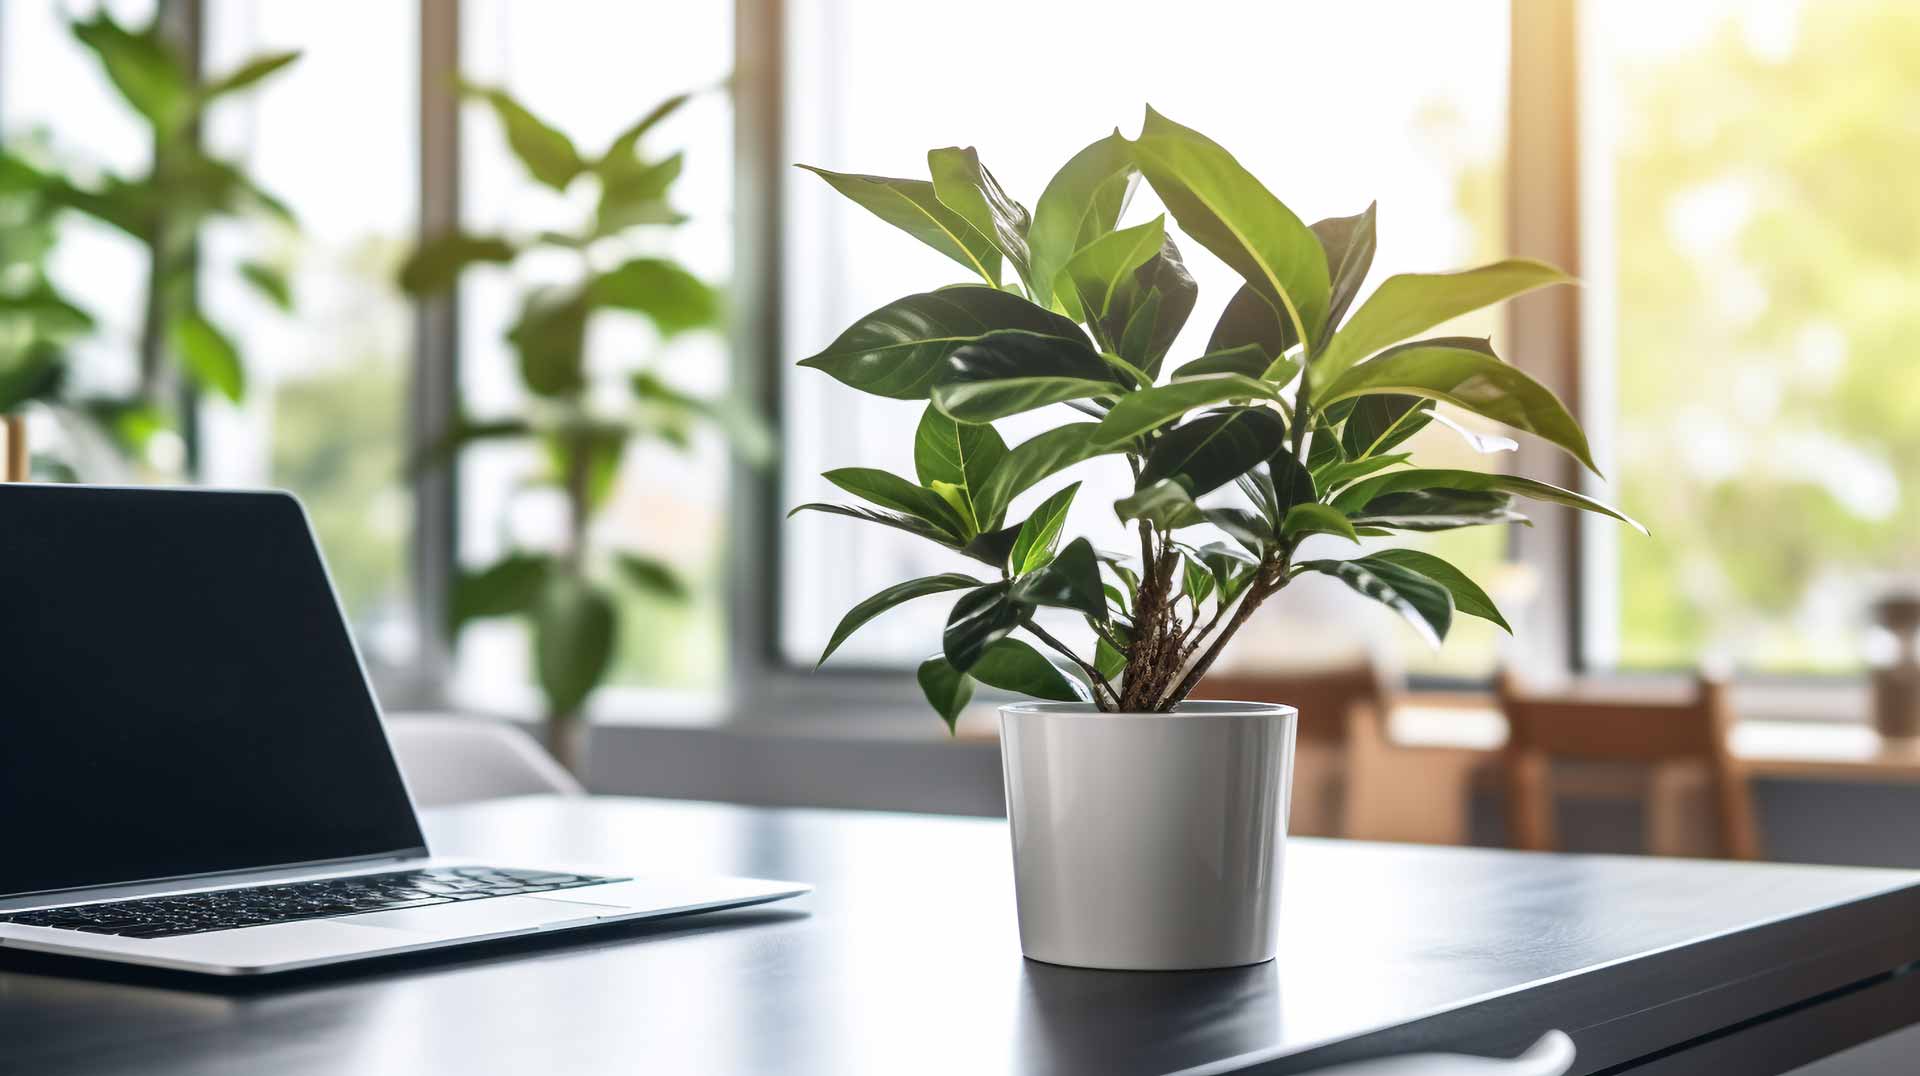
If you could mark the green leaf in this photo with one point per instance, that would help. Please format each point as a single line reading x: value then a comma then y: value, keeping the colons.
x: 1110, y: 662
x: 1468, y: 598
x: 507, y: 587
x: 1221, y: 205
x: 1012, y: 665
x: 1378, y: 423
x: 1242, y: 526
x: 912, y: 206
x: 1365, y: 492
x: 49, y: 312
x: 947, y: 689
x: 1029, y: 462
x: 1486, y: 444
x: 1250, y: 320
x: 271, y: 283
x: 897, y: 520
x: 891, y: 491
x: 1462, y: 372
x: 550, y: 338
x: 1349, y: 245
x: 1138, y: 412
x: 1246, y: 360
x: 742, y: 427
x: 1039, y: 535
x: 1339, y: 474
x: 1305, y: 519
x: 141, y: 66
x: 1155, y: 308
x: 1411, y: 303
x: 896, y: 594
x: 1166, y: 504
x: 1435, y: 510
x: 964, y: 185
x: 1081, y: 203
x: 1207, y: 452
x: 652, y: 575
x: 1068, y: 581
x: 36, y: 374
x: 626, y: 142
x: 208, y: 355
x: 573, y: 636
x: 1100, y: 274
x: 439, y: 261
x: 548, y: 155
x: 634, y: 193
x: 1227, y: 564
x: 674, y: 299
x: 1292, y: 482
x: 960, y: 454
x: 1425, y: 604
x: 1010, y: 371
x: 979, y: 619
x: 1197, y: 581
x: 901, y: 349
x: 247, y: 74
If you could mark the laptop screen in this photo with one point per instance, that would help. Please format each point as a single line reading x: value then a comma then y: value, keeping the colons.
x: 178, y: 693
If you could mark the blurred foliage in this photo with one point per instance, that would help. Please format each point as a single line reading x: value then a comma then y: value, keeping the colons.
x: 1769, y: 398
x: 164, y: 211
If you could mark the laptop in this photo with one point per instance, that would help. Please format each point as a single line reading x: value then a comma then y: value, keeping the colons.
x: 193, y: 770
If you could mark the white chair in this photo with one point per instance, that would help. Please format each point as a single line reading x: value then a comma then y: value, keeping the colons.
x: 450, y: 760
x: 1551, y: 1056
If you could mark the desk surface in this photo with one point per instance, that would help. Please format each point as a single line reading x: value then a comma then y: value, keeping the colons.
x: 906, y: 960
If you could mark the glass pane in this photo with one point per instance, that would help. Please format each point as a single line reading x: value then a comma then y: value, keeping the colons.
x: 591, y: 70
x: 1755, y: 247
x: 1424, y: 138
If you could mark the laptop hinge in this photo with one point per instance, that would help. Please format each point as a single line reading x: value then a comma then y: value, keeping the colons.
x: 219, y: 879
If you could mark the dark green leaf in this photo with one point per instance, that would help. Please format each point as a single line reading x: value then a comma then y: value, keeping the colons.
x: 674, y: 299
x: 1165, y: 504
x: 36, y: 374
x: 1006, y: 372
x: 464, y: 432
x: 1100, y: 274
x: 891, y: 491
x: 548, y: 155
x: 896, y: 594
x: 1196, y: 580
x: 896, y: 520
x: 550, y: 338
x: 901, y: 349
x: 947, y: 689
x: 247, y: 74
x: 1349, y: 245
x: 141, y: 66
x: 1305, y: 519
x: 1069, y: 581
x: 1221, y: 205
x: 912, y: 206
x: 1012, y: 665
x: 508, y: 587
x: 1468, y: 598
x: 49, y: 312
x: 960, y: 454
x: 1378, y: 423
x: 1250, y: 320
x: 652, y: 575
x: 573, y: 636
x: 979, y: 619
x: 992, y: 548
x: 1246, y: 360
x: 1464, y: 373
x: 1156, y: 308
x: 208, y: 355
x: 440, y: 260
x: 1412, y: 303
x: 1424, y: 603
x: 1292, y: 482
x: 1081, y: 203
x: 1436, y: 510
x: 1336, y: 475
x: 1029, y: 462
x: 964, y: 185
x: 1242, y: 526
x: 269, y: 282
x: 1227, y: 564
x: 1363, y: 493
x: 1207, y: 452
x: 1138, y: 412
x: 1039, y: 535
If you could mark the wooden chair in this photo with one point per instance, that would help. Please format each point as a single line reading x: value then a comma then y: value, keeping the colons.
x: 1668, y: 736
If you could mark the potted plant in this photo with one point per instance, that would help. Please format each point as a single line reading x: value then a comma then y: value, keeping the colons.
x: 1146, y: 828
x: 583, y: 415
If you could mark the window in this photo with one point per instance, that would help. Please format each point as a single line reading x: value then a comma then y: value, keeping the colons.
x: 1752, y: 249
x: 1426, y: 139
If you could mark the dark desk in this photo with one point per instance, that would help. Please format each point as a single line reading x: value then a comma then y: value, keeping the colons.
x: 906, y: 961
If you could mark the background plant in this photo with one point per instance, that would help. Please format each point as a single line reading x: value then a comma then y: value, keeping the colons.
x: 567, y: 595
x: 165, y: 211
x: 1298, y: 407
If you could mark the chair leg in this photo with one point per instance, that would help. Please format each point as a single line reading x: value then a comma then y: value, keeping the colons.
x: 1529, y: 803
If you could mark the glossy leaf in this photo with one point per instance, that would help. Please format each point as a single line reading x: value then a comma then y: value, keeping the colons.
x: 897, y: 594
x: 208, y: 356
x: 980, y: 618
x: 1012, y: 665
x: 961, y: 455
x: 1339, y: 474
x: 1196, y: 580
x: 1425, y: 604
x: 893, y: 492
x: 1031, y: 461
x: 1006, y: 372
x: 897, y: 520
x: 1468, y: 598
x: 672, y: 298
x: 1411, y: 303
x: 1292, y: 482
x: 1305, y: 519
x: 1349, y: 246
x: 1040, y: 534
x: 1157, y: 308
x: 964, y: 185
x: 1251, y: 320
x: 1080, y: 204
x: 1226, y: 209
x: 1207, y: 452
x: 547, y: 154
x: 1109, y: 662
x: 992, y: 548
x: 1366, y: 491
x: 1166, y: 504
x: 901, y: 349
x: 1463, y: 373
x: 1247, y: 360
x: 1070, y: 580
x: 912, y: 206
x: 1378, y: 423
x: 507, y: 587
x: 1242, y: 526
x: 948, y: 690
x: 1100, y: 274
x: 1486, y: 444
x: 439, y: 261
x: 574, y: 627
x: 1435, y: 510
x: 1138, y: 412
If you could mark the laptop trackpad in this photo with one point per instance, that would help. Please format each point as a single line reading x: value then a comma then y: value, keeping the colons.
x: 478, y: 918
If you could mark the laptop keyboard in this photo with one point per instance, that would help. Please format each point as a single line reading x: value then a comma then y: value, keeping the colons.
x: 233, y: 909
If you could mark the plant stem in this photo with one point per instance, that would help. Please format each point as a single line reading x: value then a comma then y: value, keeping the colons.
x: 1092, y: 672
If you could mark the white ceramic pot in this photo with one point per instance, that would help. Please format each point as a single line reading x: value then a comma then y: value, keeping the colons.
x: 1148, y: 841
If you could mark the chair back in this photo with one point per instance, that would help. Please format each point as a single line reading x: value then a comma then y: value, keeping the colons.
x: 1542, y: 728
x: 448, y: 759
x: 1327, y: 698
